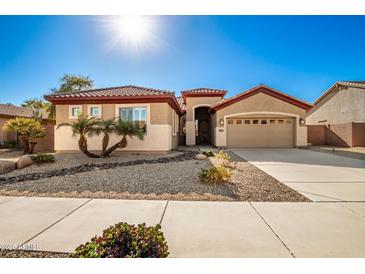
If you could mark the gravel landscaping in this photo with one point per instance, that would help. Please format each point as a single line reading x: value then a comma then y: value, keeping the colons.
x: 172, y: 177
x: 31, y: 254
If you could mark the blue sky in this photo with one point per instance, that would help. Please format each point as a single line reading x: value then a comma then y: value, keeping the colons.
x: 299, y: 55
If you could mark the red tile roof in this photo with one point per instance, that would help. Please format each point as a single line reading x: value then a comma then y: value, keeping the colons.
x: 130, y: 94
x: 204, y: 90
x: 112, y: 92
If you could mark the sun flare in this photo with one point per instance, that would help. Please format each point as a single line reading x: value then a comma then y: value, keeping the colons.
x: 132, y: 32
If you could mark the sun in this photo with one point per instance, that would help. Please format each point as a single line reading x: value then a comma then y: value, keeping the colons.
x: 132, y: 28
x: 132, y: 32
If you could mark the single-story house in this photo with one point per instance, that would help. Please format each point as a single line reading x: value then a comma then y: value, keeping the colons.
x: 259, y: 117
x: 7, y: 137
x: 338, y: 116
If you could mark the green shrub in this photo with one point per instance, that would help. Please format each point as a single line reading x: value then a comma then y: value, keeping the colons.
x: 125, y: 241
x: 208, y: 153
x: 8, y: 144
x: 43, y: 158
x: 215, y: 174
x: 223, y: 156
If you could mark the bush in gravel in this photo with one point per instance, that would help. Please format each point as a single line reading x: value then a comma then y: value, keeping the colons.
x: 43, y: 158
x: 125, y: 241
x: 208, y: 153
x: 223, y: 156
x: 215, y: 174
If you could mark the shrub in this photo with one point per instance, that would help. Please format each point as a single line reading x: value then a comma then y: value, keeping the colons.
x: 208, y: 153
x: 223, y: 156
x: 8, y: 144
x: 215, y: 174
x: 125, y: 241
x: 43, y: 158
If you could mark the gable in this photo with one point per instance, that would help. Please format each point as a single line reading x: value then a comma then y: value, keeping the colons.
x: 262, y: 90
x: 261, y: 102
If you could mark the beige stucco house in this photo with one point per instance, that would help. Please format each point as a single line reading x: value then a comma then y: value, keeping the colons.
x: 338, y: 116
x: 259, y: 117
x: 10, y: 111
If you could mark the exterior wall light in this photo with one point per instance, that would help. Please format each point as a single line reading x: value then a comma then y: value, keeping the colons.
x: 221, y: 122
x: 301, y: 121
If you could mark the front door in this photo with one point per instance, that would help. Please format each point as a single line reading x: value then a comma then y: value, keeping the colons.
x: 203, y: 132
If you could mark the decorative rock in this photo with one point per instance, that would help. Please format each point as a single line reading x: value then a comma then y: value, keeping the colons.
x: 24, y: 161
x: 200, y: 157
x: 6, y: 166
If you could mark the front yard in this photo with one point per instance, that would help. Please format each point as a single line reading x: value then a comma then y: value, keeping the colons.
x: 174, y: 176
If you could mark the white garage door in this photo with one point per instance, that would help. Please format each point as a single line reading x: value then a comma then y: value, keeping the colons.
x: 260, y: 132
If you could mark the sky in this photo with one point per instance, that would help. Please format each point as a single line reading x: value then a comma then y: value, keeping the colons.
x: 299, y: 55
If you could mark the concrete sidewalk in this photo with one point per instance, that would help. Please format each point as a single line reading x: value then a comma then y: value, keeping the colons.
x: 192, y: 229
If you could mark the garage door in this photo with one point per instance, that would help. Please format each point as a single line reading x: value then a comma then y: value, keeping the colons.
x: 260, y: 132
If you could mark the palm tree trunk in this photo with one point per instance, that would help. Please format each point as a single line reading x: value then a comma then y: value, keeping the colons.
x: 25, y: 145
x: 31, y: 147
x: 121, y: 144
x: 83, y: 148
x: 105, y: 143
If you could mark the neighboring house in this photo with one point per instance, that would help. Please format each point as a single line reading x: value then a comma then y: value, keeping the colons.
x: 338, y: 116
x: 10, y: 111
x: 259, y: 117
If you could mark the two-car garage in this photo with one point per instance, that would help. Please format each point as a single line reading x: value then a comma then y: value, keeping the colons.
x: 260, y: 132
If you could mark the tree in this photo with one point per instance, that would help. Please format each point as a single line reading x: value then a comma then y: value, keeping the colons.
x: 105, y: 127
x: 84, y: 127
x: 28, y: 128
x: 124, y: 129
x: 37, y: 105
x: 72, y: 82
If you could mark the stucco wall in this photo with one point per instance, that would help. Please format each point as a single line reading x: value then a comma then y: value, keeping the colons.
x: 5, y: 134
x: 191, y: 104
x: 343, y: 106
x: 159, y: 136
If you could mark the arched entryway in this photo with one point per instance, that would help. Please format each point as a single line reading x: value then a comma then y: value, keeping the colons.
x: 202, y: 126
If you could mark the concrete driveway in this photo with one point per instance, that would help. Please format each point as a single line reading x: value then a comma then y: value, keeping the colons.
x: 318, y: 176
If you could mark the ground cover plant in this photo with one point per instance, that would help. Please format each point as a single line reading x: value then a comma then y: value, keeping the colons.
x: 215, y: 174
x: 43, y: 158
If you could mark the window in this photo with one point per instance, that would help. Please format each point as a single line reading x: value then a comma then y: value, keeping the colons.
x: 247, y: 122
x: 137, y: 115
x: 75, y: 112
x: 264, y: 122
x: 280, y: 122
x: 94, y: 111
x: 272, y: 121
x: 238, y: 122
x: 255, y: 122
x: 230, y: 122
x: 288, y: 121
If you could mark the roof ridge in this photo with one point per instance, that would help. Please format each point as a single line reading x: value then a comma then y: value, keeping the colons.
x: 114, y: 87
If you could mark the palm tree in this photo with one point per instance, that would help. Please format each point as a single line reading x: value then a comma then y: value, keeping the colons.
x: 28, y: 128
x: 84, y: 127
x: 104, y: 127
x: 124, y: 129
x: 71, y: 83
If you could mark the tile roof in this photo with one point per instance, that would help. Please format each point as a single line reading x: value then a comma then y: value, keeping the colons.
x: 360, y: 84
x: 204, y: 91
x: 127, y: 91
x: 15, y: 111
x: 356, y: 84
x: 181, y: 102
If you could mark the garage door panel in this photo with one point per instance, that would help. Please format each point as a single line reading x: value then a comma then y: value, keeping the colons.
x: 273, y: 132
